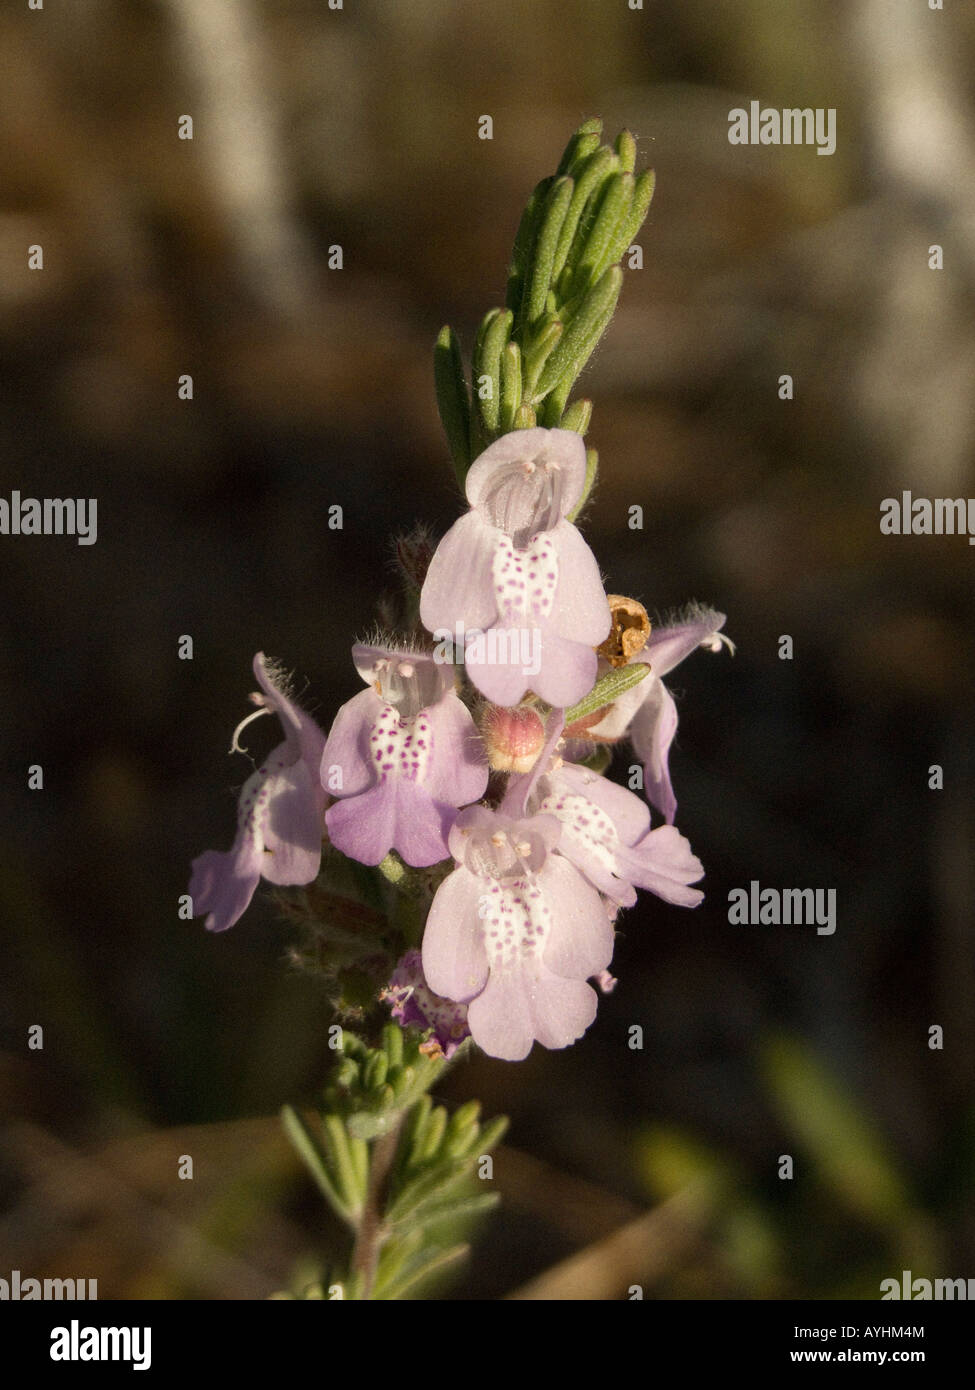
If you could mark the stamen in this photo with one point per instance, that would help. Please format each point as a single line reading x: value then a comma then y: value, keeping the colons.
x: 234, y: 745
x: 522, y: 851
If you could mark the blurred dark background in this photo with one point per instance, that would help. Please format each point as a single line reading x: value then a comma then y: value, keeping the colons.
x: 313, y: 387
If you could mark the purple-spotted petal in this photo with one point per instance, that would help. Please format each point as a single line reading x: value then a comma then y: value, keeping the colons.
x: 346, y: 765
x: 458, y: 773
x: 459, y: 587
x: 651, y: 733
x: 395, y: 814
x: 422, y: 824
x: 363, y: 826
x: 454, y: 960
x: 664, y: 862
x: 580, y: 609
x: 412, y: 1001
x: 629, y: 814
x: 292, y: 826
x: 222, y: 884
x: 527, y: 1004
x: 580, y: 943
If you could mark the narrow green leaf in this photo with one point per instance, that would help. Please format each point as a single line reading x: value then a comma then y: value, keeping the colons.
x: 584, y: 332
x: 597, y: 167
x: 314, y: 1160
x: 339, y: 1150
x: 347, y: 1074
x: 524, y: 417
x: 462, y: 1121
x: 374, y: 1122
x: 626, y: 149
x: 458, y: 1210
x: 459, y: 1142
x: 538, y: 350
x: 580, y: 144
x: 642, y: 196
x: 374, y: 1072
x: 592, y: 468
x: 510, y: 386
x: 434, y: 1262
x: 415, y: 1132
x: 436, y: 1181
x: 620, y: 238
x: 434, y: 1133
x: 393, y: 1258
x: 393, y: 1043
x: 607, y: 689
x: 577, y: 416
x: 447, y: 1183
x: 612, y: 202
x: 491, y: 1134
x: 554, y: 403
x: 453, y: 401
x: 524, y: 240
x: 588, y: 145
x: 543, y: 253
x: 403, y: 1081
x: 486, y: 375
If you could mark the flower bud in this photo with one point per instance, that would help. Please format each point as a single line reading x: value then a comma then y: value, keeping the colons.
x: 513, y: 738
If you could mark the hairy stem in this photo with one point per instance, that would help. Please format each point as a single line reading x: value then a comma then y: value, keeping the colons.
x: 371, y: 1233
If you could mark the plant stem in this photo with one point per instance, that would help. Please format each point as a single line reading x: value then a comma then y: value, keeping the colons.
x: 371, y: 1233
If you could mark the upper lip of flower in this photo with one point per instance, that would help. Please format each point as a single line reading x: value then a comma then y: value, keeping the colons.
x: 527, y: 481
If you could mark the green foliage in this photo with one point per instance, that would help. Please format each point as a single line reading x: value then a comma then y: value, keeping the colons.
x: 396, y: 1168
x: 850, y: 1155
x: 563, y: 285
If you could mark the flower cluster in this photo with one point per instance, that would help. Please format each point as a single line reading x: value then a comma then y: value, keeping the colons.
x: 465, y: 751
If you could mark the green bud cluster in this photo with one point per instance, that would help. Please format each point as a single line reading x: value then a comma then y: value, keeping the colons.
x: 563, y: 285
